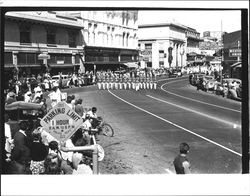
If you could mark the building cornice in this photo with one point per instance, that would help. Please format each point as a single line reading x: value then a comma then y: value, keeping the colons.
x: 163, y: 25
x: 41, y: 19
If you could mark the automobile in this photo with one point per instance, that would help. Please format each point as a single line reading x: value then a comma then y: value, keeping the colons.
x: 205, y: 81
x: 221, y: 89
x: 175, y: 73
x: 211, y: 84
x: 23, y: 111
x: 225, y: 89
x: 230, y: 81
x: 235, y: 93
x: 65, y: 80
x: 196, y: 77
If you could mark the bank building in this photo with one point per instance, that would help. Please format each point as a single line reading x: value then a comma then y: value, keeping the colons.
x: 167, y: 45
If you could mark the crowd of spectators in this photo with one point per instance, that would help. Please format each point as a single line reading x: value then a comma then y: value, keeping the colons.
x: 31, y: 150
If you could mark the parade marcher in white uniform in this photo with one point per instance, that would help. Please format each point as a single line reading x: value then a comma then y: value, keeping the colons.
x: 99, y: 82
x: 116, y: 82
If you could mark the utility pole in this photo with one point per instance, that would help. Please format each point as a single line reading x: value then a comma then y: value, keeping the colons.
x: 238, y: 57
x: 222, y: 54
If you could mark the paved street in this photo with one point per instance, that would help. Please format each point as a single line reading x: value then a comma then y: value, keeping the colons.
x: 150, y: 124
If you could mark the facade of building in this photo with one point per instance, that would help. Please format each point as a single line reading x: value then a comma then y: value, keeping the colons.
x: 70, y: 41
x: 194, y: 54
x: 212, y: 42
x: 231, y: 53
x: 110, y: 38
x: 168, y: 45
x: 162, y: 45
x: 34, y: 40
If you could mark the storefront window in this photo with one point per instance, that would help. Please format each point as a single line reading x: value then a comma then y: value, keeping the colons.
x: 8, y: 58
x: 21, y: 58
x: 28, y: 59
x: 77, y: 57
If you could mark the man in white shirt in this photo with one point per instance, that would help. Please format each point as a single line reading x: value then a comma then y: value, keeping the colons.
x: 8, y: 138
x: 55, y: 96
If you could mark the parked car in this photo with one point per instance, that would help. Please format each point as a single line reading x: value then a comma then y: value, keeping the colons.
x: 175, y: 73
x: 235, y: 94
x: 196, y: 78
x: 205, y: 81
x: 65, y: 80
x: 23, y: 111
x: 211, y: 84
x: 230, y: 81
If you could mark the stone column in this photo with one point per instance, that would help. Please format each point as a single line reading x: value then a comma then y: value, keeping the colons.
x: 177, y: 55
x: 174, y: 55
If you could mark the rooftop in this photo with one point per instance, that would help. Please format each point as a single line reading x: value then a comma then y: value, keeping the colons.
x: 61, y: 21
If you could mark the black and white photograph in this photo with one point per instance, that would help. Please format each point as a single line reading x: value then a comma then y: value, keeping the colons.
x: 95, y: 92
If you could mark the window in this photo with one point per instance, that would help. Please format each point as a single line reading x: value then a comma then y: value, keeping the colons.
x: 77, y: 61
x: 148, y: 46
x: 24, y: 34
x: 8, y: 58
x: 72, y: 39
x: 51, y: 36
x: 28, y: 59
x: 161, y: 57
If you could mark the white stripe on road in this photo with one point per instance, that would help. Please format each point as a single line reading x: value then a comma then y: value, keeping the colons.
x: 176, y: 125
x: 195, y: 99
x: 194, y: 111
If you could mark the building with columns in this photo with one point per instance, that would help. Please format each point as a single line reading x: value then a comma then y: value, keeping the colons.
x: 166, y: 45
x: 34, y: 40
x: 162, y: 45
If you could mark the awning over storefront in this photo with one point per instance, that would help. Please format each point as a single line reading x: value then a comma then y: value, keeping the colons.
x: 20, y: 66
x: 235, y: 65
x: 61, y: 65
x: 131, y: 65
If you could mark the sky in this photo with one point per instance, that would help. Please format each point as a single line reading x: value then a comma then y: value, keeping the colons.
x: 228, y: 21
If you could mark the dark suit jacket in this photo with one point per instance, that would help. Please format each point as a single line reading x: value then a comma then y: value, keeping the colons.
x: 21, y: 151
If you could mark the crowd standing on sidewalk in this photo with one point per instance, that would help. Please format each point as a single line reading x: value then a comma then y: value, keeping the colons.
x: 30, y: 149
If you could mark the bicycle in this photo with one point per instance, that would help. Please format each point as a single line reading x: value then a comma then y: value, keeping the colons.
x: 104, y: 128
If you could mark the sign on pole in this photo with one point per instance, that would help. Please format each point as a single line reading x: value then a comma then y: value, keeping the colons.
x: 61, y: 122
x: 43, y: 56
